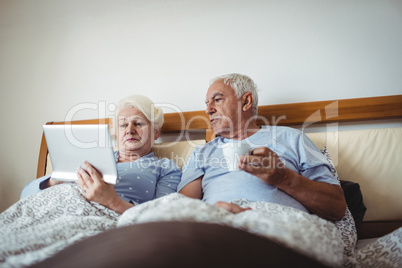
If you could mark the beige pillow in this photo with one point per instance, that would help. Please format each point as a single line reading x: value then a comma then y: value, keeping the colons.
x: 371, y: 158
x: 177, y: 151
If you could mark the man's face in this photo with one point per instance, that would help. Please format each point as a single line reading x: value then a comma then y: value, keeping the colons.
x: 224, y: 109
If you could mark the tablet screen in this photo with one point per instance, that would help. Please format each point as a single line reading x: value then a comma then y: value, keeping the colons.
x: 70, y: 145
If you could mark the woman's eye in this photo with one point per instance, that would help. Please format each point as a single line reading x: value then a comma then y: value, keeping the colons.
x: 139, y: 124
x: 123, y: 125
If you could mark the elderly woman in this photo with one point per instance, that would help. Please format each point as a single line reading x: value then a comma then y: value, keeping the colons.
x: 50, y: 217
x: 142, y: 176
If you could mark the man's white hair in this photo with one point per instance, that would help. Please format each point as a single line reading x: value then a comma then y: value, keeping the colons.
x: 241, y: 84
x: 142, y: 104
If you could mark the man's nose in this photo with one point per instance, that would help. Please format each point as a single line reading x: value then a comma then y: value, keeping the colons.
x: 210, y: 109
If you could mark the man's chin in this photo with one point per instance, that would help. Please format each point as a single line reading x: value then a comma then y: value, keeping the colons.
x: 221, y: 132
x: 217, y: 131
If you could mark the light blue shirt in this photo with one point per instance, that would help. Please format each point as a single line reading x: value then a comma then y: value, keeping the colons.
x: 142, y: 180
x: 295, y: 150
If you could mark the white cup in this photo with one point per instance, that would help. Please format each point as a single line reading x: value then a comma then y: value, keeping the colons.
x: 232, y: 152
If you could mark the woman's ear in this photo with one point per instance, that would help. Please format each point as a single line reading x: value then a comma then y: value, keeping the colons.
x: 157, y: 133
x: 247, y: 101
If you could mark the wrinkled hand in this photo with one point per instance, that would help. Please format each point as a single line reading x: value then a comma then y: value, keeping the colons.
x: 94, y: 188
x: 266, y: 165
x: 230, y: 207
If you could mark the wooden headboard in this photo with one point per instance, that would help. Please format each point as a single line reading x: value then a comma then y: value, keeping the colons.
x: 331, y: 111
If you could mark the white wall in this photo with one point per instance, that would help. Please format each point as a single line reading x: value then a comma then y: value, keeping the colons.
x: 56, y: 54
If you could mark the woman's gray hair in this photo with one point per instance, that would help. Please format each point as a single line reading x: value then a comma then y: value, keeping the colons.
x: 142, y: 104
x: 241, y: 84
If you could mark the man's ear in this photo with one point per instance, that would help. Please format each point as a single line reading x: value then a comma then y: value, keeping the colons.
x: 157, y: 133
x: 247, y: 101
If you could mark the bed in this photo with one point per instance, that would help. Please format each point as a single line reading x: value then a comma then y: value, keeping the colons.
x: 366, y: 161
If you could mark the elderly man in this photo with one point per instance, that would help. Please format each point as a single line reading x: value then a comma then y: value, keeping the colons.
x: 280, y: 168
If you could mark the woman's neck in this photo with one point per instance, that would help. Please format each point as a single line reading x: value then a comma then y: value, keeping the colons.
x: 130, y: 156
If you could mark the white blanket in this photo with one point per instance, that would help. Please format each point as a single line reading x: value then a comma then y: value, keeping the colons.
x: 41, y: 225
x: 301, y: 231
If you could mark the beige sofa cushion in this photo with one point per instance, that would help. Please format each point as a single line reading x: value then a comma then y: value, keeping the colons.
x: 371, y: 158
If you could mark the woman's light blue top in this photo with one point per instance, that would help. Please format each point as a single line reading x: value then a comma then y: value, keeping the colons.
x: 142, y: 180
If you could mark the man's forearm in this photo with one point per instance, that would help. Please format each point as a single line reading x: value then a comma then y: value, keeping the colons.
x: 193, y: 189
x: 323, y: 199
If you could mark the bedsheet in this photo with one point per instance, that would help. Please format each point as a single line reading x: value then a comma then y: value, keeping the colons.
x: 41, y: 225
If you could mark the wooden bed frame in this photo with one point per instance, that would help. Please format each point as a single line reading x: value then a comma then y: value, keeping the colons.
x: 293, y: 114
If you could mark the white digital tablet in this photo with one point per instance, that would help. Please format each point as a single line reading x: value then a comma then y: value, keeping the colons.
x: 70, y: 145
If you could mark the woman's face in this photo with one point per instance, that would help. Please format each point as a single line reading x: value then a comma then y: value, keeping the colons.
x: 135, y: 132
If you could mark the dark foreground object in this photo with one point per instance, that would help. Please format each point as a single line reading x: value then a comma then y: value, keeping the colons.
x: 177, y: 244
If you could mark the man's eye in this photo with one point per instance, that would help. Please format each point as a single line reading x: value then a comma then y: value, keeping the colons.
x: 218, y: 99
x: 123, y: 125
x: 139, y: 124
